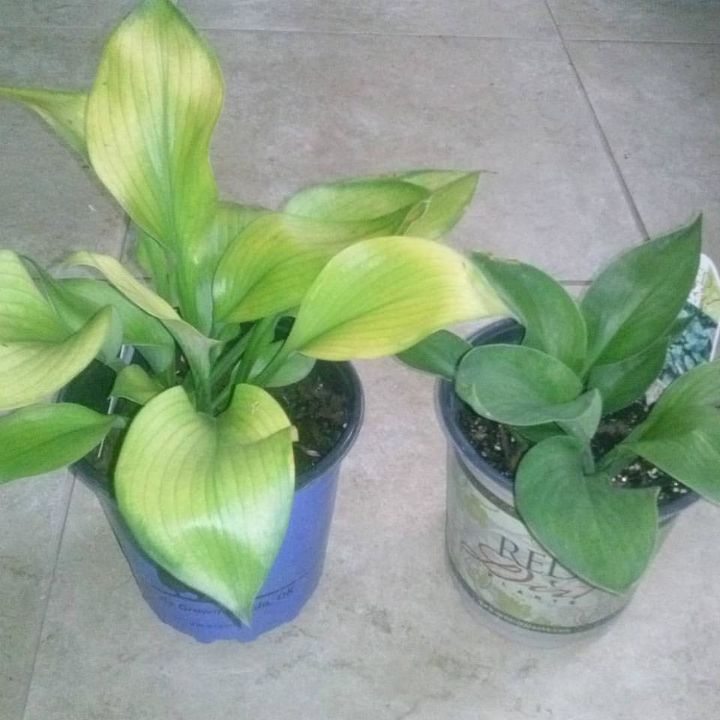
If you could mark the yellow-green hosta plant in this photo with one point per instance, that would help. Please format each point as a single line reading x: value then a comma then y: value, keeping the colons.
x: 577, y: 363
x: 237, y: 299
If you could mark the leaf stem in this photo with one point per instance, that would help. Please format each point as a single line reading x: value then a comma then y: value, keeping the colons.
x: 226, y: 362
x: 588, y: 460
x: 261, y: 335
x: 271, y: 368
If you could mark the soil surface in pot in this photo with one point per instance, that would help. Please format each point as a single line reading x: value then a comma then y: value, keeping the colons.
x: 320, y: 410
x: 500, y: 448
x: 319, y: 407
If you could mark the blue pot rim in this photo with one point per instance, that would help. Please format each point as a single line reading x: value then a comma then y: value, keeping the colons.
x: 448, y: 405
x: 98, y: 480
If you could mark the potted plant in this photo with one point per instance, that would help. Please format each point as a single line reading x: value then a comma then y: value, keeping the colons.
x: 210, y: 381
x: 562, y: 467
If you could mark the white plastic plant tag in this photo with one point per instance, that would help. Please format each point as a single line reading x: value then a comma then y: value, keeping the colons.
x: 698, y: 342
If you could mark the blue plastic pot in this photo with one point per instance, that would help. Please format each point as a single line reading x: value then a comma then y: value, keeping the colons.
x: 298, y: 566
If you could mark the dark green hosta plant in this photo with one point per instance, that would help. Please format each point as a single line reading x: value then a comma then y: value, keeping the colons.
x: 575, y: 364
x: 239, y: 299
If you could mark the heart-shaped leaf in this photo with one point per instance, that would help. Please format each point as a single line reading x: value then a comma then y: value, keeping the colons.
x: 552, y: 321
x: 636, y: 299
x: 41, y: 438
x: 602, y: 533
x: 209, y: 498
x: 380, y: 296
x: 150, y: 117
x: 64, y: 112
x: 37, y: 351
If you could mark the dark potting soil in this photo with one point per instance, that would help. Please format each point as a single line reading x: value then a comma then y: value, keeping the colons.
x: 318, y: 406
x: 320, y: 409
x: 497, y: 445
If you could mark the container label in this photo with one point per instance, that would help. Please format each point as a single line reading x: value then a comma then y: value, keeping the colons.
x: 508, y: 573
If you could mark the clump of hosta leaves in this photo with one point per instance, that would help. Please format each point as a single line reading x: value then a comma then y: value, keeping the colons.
x: 576, y: 363
x: 236, y: 299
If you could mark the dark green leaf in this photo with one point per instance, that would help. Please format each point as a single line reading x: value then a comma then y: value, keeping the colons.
x: 551, y: 318
x: 622, y: 382
x: 681, y: 435
x: 516, y: 385
x: 438, y: 354
x: 602, y: 533
x: 686, y: 446
x: 637, y: 298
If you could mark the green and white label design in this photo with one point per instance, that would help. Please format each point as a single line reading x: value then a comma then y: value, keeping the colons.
x: 507, y: 573
x: 698, y: 341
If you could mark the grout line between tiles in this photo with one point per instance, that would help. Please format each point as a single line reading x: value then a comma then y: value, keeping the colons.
x: 303, y: 31
x: 46, y: 605
x: 618, y: 41
x: 375, y: 33
x: 601, y: 132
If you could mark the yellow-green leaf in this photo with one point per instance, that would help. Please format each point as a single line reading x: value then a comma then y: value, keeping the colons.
x: 140, y: 295
x: 357, y: 200
x: 269, y: 267
x: 150, y: 117
x: 38, y: 353
x: 229, y: 221
x: 158, y: 263
x: 76, y: 300
x: 41, y: 438
x: 380, y: 296
x: 64, y: 112
x: 151, y: 113
x: 31, y: 370
x: 207, y: 498
x: 25, y: 314
x: 194, y: 344
x: 133, y: 383
x: 451, y: 193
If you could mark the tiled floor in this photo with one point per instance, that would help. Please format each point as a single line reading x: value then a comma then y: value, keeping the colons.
x: 600, y: 122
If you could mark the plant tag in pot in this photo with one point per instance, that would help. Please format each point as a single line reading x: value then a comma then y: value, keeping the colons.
x: 698, y: 341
